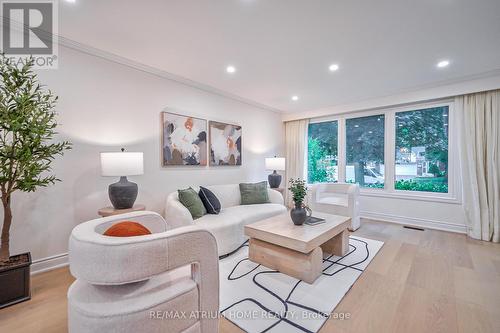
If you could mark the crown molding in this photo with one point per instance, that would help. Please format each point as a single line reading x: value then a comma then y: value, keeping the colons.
x: 474, y: 83
x: 83, y: 48
x: 90, y: 50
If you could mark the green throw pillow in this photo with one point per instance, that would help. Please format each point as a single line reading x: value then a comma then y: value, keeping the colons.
x: 191, y: 200
x: 254, y: 193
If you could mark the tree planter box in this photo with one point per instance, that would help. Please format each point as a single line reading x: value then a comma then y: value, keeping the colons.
x: 15, y: 280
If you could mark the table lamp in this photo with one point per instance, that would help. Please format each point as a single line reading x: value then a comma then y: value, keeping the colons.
x: 275, y: 163
x: 122, y: 164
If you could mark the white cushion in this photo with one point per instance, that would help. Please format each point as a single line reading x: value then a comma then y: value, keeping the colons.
x: 254, y: 213
x: 129, y: 308
x: 228, y: 225
x: 228, y: 195
x: 106, y: 301
x: 335, y: 200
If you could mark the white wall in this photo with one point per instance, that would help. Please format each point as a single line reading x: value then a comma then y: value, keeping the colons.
x: 426, y: 214
x: 104, y: 106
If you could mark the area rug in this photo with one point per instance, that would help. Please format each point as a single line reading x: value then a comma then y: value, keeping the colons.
x: 258, y: 299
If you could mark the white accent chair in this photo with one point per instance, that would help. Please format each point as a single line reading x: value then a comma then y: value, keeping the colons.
x: 143, y: 283
x: 228, y: 225
x: 338, y: 199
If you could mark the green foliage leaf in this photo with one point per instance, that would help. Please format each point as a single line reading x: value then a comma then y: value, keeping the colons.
x: 27, y: 130
x: 299, y: 189
x: 425, y: 185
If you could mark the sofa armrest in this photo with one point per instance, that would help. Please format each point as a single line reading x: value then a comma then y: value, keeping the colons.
x: 275, y: 197
x: 353, y: 197
x: 176, y: 214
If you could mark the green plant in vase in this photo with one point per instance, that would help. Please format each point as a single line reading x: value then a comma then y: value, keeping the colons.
x: 299, y: 191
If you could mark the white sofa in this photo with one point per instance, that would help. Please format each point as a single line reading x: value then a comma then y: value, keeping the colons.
x: 338, y: 199
x: 127, y: 284
x: 228, y: 225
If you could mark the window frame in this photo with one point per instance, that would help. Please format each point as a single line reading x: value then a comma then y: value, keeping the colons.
x: 340, y: 155
x: 389, y: 191
x: 362, y: 115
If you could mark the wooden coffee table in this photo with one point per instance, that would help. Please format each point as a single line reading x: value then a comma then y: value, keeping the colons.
x: 297, y: 250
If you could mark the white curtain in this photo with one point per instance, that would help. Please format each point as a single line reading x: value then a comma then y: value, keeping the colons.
x: 296, y: 151
x: 478, y: 117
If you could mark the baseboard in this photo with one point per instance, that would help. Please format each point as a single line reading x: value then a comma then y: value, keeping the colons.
x: 417, y: 222
x: 49, y: 263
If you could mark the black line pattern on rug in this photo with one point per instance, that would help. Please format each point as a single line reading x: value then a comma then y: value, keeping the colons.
x: 287, y: 301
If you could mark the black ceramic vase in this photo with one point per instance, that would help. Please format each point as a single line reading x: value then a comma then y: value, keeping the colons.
x: 298, y: 214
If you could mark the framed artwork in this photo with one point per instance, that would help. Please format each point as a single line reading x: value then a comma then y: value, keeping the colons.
x: 225, y: 143
x: 184, y: 140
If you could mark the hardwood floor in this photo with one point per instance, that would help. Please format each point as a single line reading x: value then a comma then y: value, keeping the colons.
x: 420, y: 281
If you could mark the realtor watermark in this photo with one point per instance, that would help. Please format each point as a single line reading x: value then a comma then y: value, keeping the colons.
x: 29, y: 29
x: 245, y: 315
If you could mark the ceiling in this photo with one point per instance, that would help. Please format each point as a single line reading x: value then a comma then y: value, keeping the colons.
x: 282, y: 48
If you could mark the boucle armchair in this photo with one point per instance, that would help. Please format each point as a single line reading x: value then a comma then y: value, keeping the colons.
x: 338, y: 199
x: 164, y: 282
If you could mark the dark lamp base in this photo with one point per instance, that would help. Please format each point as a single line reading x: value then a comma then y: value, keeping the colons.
x: 122, y: 194
x: 274, y: 180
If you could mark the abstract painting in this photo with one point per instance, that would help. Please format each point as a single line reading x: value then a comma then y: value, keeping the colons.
x: 184, y: 140
x: 225, y: 144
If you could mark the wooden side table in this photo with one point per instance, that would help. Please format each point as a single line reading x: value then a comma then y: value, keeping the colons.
x: 110, y: 210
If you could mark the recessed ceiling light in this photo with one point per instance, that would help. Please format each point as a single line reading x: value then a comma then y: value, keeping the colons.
x: 70, y: 1
x: 443, y: 63
x: 295, y: 98
x: 333, y: 67
x: 230, y: 69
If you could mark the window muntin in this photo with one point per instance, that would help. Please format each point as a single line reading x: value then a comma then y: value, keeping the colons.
x: 322, y: 152
x: 365, y: 151
x: 421, y: 156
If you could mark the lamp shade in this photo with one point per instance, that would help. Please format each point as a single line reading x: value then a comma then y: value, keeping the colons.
x: 275, y: 163
x: 122, y: 164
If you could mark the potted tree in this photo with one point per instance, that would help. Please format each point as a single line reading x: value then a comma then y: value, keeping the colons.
x: 27, y: 150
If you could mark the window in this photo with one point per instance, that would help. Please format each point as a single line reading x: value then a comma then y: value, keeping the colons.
x: 415, y: 158
x: 322, y: 158
x: 365, y: 151
x: 422, y: 150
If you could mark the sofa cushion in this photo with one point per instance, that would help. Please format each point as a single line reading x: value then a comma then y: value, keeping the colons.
x: 254, y: 193
x: 228, y: 226
x: 191, y: 200
x: 210, y: 201
x: 228, y: 195
x: 104, y: 301
x: 334, y: 200
x: 253, y: 213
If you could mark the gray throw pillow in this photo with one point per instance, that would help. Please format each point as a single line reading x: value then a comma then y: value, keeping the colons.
x: 254, y: 193
x: 190, y: 199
